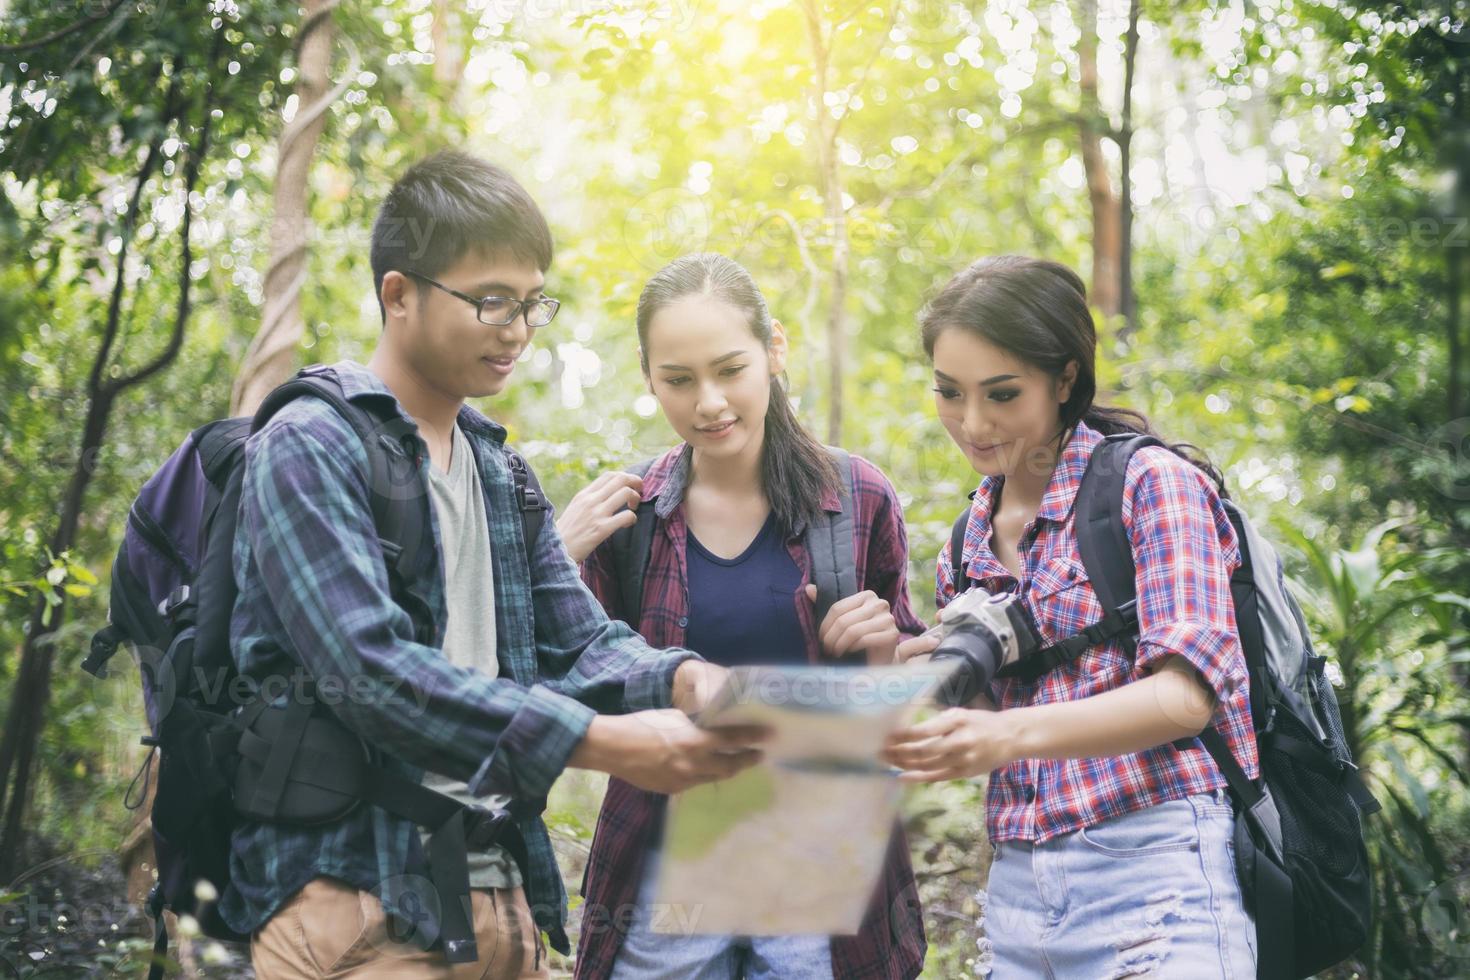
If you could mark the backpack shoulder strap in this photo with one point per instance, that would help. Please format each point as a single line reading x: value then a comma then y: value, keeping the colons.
x: 393, y: 481
x: 957, y: 550
x: 1107, y: 555
x: 530, y: 500
x: 631, y: 547
x: 373, y: 431
x: 829, y: 540
x: 1102, y: 540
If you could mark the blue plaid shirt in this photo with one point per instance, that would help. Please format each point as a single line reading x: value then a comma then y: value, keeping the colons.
x: 314, y: 593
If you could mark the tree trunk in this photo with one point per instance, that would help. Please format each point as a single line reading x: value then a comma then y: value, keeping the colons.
x: 271, y: 356
x: 447, y: 66
x: 1106, y: 218
x: 837, y: 315
x: 32, y: 690
x: 1454, y: 401
x: 832, y: 193
x: 1126, y: 304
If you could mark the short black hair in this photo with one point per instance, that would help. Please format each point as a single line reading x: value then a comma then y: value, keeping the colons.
x: 449, y: 205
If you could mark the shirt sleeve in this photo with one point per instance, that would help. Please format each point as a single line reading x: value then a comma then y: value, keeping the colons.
x: 595, y: 659
x: 1184, y: 551
x: 312, y: 542
x: 597, y: 575
x: 944, y: 589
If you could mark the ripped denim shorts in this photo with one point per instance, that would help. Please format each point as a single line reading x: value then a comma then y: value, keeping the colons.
x: 1150, y: 893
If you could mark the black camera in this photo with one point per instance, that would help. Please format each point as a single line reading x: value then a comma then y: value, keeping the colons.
x: 983, y: 632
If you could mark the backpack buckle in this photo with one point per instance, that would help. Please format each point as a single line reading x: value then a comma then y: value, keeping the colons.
x: 529, y: 499
x: 104, y: 645
x: 482, y: 827
x: 171, y: 603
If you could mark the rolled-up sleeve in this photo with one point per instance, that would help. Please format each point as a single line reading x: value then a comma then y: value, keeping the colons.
x: 313, y: 545
x: 1185, y: 551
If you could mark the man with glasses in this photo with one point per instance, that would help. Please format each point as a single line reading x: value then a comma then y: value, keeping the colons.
x: 523, y: 676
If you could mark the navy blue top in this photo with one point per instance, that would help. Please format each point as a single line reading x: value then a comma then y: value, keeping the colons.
x: 742, y: 610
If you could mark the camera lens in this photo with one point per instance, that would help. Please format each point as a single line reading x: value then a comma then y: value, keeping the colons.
x: 980, y: 653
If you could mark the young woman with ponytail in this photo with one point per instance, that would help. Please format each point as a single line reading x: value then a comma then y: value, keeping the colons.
x: 1113, y: 847
x: 729, y: 576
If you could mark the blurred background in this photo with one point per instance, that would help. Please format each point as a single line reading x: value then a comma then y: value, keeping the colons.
x: 1270, y: 202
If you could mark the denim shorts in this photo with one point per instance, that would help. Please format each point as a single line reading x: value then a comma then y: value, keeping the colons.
x: 1150, y: 893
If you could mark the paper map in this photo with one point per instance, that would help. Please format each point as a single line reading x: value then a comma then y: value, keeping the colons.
x: 794, y: 845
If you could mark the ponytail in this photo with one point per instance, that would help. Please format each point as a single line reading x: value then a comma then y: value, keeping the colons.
x: 796, y: 469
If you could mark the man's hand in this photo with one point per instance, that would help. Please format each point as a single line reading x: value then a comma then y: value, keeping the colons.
x: 603, y: 506
x: 858, y: 622
x: 663, y: 751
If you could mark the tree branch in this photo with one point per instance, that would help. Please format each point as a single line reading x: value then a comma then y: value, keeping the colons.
x: 114, y: 303
x: 191, y: 179
x: 62, y: 32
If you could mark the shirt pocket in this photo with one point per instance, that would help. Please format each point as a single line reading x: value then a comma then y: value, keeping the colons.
x: 1061, y: 599
x: 1063, y: 603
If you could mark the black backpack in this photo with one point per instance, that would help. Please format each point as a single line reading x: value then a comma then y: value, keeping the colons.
x: 173, y: 591
x: 829, y: 539
x: 1299, y: 847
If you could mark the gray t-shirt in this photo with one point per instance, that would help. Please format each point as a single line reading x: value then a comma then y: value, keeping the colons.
x: 469, y: 636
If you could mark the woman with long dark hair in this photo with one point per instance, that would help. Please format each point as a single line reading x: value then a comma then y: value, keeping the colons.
x: 1113, y: 843
x: 729, y: 575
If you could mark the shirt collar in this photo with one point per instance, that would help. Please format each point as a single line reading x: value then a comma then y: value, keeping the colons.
x: 358, y: 382
x: 1066, y: 479
x: 668, y: 478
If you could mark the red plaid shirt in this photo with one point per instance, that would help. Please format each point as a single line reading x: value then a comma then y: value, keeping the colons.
x: 890, y: 944
x: 1185, y: 550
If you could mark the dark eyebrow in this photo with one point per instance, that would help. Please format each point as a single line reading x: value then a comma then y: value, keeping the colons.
x: 988, y: 381
x: 501, y: 289
x: 719, y: 360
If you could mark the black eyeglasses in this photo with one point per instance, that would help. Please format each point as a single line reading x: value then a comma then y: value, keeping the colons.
x: 499, y: 311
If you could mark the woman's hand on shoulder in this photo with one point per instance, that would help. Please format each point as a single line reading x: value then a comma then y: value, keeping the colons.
x: 603, y: 506
x: 858, y: 622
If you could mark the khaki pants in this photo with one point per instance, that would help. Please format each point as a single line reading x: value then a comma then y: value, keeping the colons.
x: 331, y: 930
